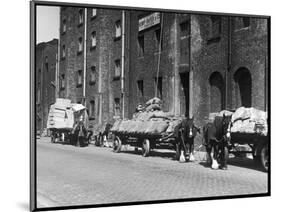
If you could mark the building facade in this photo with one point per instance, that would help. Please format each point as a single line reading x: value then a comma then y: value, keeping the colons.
x: 46, y: 72
x: 112, y: 60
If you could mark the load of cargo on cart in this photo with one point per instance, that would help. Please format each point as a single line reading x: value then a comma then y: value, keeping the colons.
x: 68, y: 122
x: 149, y: 128
x: 249, y: 126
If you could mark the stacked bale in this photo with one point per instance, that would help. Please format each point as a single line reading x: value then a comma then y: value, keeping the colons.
x: 150, y: 121
x: 249, y: 120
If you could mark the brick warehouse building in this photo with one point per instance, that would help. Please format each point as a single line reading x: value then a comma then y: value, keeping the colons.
x: 206, y: 63
x: 46, y: 68
x: 102, y: 92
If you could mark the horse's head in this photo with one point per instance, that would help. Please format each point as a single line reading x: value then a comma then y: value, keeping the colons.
x: 226, y: 125
x: 191, y: 128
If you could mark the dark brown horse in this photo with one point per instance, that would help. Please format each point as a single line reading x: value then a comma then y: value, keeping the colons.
x: 216, y: 140
x: 185, y: 141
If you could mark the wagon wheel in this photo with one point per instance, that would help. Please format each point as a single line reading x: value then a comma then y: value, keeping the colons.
x: 53, y: 138
x: 145, y: 147
x: 117, y: 144
x: 264, y: 157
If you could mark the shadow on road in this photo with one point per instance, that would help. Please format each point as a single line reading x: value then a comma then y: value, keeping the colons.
x: 168, y: 155
x: 239, y: 162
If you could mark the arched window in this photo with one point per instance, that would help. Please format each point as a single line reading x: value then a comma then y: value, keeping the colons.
x: 243, y: 87
x: 216, y: 92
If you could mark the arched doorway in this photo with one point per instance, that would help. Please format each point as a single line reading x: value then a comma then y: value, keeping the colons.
x: 216, y: 92
x: 243, y: 87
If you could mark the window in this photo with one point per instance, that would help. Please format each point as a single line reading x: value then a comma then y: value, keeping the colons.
x: 80, y: 17
x: 63, y: 51
x: 117, y: 107
x: 141, y: 45
x: 62, y: 84
x: 93, y: 39
x: 64, y: 26
x: 46, y: 64
x: 215, y: 29
x: 140, y: 88
x: 118, y: 29
x: 184, y: 42
x: 79, y: 78
x: 93, y: 75
x: 117, y: 68
x: 246, y: 22
x: 92, y: 108
x: 158, y: 41
x: 80, y: 46
x: 94, y: 12
x: 158, y: 85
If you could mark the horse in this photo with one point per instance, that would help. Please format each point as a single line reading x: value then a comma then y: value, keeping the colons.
x: 187, y: 131
x: 216, y: 137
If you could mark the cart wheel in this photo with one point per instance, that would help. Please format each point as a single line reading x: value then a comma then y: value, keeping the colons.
x: 53, y: 138
x: 117, y: 144
x: 264, y: 157
x: 145, y: 148
x: 177, y: 148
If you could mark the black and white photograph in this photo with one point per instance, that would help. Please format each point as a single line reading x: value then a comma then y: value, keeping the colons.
x: 140, y: 105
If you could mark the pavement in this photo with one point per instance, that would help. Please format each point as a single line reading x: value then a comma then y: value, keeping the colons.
x: 69, y: 175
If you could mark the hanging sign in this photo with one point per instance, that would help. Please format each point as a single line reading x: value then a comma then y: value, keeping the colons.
x: 149, y: 21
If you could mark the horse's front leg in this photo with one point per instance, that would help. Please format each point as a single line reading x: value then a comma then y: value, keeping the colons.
x: 191, y: 151
x: 213, y: 155
x: 182, y: 149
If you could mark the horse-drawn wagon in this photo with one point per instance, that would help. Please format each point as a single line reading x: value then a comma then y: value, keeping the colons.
x: 66, y: 121
x: 229, y: 130
x: 149, y: 129
x: 249, y: 126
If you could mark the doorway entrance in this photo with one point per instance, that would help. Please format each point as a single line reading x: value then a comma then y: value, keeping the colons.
x: 184, y: 93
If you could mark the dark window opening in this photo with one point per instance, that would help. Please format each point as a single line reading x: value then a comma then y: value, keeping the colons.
x: 117, y: 107
x: 79, y: 78
x: 118, y: 29
x: 64, y: 26
x: 140, y: 45
x: 215, y: 29
x: 80, y: 17
x: 158, y: 85
x: 93, y: 75
x: 93, y: 39
x: 62, y: 82
x: 216, y: 92
x: 92, y: 109
x: 184, y: 43
x: 80, y: 45
x: 159, y: 39
x: 243, y: 80
x: 117, y: 71
x: 140, y: 88
x: 246, y: 22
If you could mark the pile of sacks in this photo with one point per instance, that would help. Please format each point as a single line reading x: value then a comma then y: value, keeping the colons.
x: 150, y: 120
x: 249, y: 120
x: 212, y: 116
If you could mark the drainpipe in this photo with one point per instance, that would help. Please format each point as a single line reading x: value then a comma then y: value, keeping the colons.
x: 57, y: 71
x: 228, y: 62
x: 85, y: 58
x: 123, y: 64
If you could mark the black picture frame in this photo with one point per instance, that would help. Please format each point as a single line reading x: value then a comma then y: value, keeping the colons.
x: 33, y: 151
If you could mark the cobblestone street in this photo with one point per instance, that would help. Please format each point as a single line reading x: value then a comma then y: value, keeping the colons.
x: 68, y: 175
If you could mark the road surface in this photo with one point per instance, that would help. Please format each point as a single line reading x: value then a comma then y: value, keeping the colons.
x: 69, y: 175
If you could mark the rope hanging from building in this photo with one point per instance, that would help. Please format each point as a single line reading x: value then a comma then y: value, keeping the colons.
x: 159, y: 53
